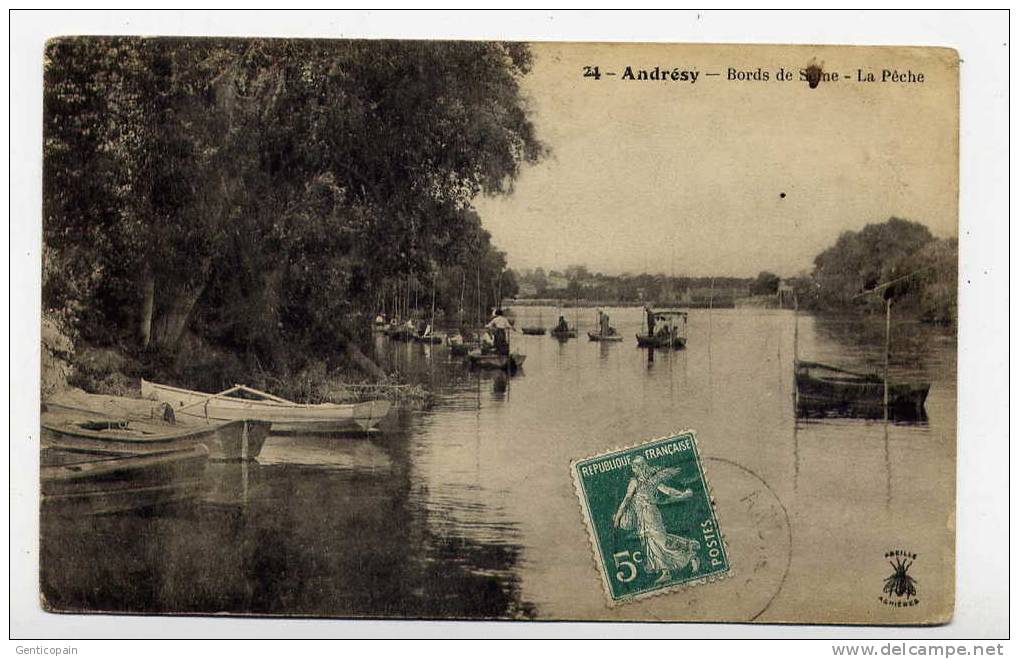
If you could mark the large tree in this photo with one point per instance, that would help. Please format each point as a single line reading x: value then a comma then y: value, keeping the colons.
x: 267, y: 189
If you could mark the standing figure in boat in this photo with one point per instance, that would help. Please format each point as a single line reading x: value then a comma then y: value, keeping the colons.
x: 500, y: 327
x: 561, y: 326
x: 639, y: 512
x: 650, y: 321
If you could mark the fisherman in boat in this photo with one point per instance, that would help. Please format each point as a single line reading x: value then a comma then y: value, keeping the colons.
x: 562, y: 326
x: 650, y: 321
x: 603, y: 324
x: 380, y: 320
x: 500, y: 327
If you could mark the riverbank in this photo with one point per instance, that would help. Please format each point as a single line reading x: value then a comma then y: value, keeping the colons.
x: 117, y: 371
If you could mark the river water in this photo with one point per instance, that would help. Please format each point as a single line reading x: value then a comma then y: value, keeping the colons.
x: 467, y: 510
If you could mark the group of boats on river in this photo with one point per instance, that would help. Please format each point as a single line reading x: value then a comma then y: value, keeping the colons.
x: 104, y: 454
x: 821, y: 390
x: 489, y: 346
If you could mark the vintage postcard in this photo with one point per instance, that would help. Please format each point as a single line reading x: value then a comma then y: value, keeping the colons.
x: 499, y: 330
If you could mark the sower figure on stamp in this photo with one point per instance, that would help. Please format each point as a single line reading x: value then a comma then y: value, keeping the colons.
x: 638, y: 511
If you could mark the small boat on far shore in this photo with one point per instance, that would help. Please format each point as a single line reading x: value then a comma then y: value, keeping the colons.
x: 75, y: 483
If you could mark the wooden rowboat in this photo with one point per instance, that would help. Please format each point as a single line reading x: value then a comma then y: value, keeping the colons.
x: 594, y: 336
x: 647, y: 341
x: 75, y: 483
x: 401, y: 333
x: 563, y: 334
x: 823, y: 390
x: 510, y: 362
x: 71, y: 429
x: 533, y: 331
x: 285, y: 416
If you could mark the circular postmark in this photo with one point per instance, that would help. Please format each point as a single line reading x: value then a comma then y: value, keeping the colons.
x: 758, y: 538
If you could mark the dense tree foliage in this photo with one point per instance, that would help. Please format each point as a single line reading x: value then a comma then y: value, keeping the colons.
x: 765, y: 284
x: 266, y: 194
x: 921, y: 269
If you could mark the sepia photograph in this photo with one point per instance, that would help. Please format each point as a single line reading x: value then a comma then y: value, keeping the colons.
x: 499, y: 330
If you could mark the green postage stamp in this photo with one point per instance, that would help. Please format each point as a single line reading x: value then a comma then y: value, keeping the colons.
x: 649, y: 514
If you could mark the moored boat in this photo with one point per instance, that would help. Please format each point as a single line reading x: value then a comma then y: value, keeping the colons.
x: 284, y: 415
x: 510, y: 362
x: 401, y: 333
x: 665, y: 328
x: 595, y: 336
x: 533, y: 331
x: 563, y: 333
x: 77, y: 483
x: 71, y: 429
x: 823, y: 390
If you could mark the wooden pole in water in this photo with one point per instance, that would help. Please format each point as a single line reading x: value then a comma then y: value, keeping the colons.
x: 888, y: 345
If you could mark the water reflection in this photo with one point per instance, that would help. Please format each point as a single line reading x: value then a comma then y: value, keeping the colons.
x: 466, y: 509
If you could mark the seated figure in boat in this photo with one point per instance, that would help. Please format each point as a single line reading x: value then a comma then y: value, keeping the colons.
x: 487, y: 342
x: 500, y: 327
x: 561, y: 326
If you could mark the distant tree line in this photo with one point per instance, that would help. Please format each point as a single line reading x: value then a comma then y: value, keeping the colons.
x: 578, y: 283
x: 923, y: 270
x: 264, y: 195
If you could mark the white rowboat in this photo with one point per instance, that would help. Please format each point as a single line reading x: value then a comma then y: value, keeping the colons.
x: 285, y: 416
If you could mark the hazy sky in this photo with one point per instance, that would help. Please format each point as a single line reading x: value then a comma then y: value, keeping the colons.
x: 687, y: 178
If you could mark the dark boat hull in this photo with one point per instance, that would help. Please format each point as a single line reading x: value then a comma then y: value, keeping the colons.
x: 827, y: 391
x: 647, y: 341
x: 593, y: 336
x: 533, y: 331
x: 400, y: 334
x: 461, y: 349
x: 78, y: 484
x: 492, y: 361
x: 231, y: 440
x: 567, y: 334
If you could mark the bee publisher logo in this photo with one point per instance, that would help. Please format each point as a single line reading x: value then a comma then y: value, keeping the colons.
x: 900, y: 587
